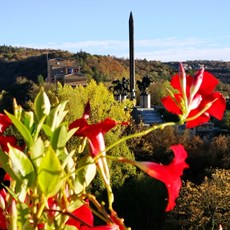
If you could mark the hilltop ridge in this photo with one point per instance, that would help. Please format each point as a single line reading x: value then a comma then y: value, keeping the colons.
x: 30, y: 63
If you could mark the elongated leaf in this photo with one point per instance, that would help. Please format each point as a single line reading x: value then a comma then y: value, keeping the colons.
x: 50, y: 174
x: 39, y: 126
x: 4, y: 159
x: 86, y: 173
x: 59, y: 138
x: 47, y: 130
x: 41, y: 105
x: 21, y: 165
x: 68, y: 160
x: 71, y: 133
x: 28, y: 120
x: 27, y: 224
x: 23, y: 191
x: 56, y: 116
x: 37, y: 151
x: 22, y: 129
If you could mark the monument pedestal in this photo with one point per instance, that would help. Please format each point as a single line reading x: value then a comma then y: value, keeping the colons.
x: 119, y: 97
x: 145, y: 101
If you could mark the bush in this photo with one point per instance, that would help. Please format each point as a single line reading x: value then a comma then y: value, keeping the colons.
x: 102, y: 102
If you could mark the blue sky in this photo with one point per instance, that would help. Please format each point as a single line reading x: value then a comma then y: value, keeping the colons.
x: 164, y: 30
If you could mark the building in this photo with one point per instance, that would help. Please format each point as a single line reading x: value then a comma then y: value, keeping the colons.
x: 65, y: 71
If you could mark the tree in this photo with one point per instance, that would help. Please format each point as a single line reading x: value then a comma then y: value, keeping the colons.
x: 102, y: 105
x: 101, y: 99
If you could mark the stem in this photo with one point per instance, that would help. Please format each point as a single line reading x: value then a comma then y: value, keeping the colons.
x: 14, y: 216
x: 155, y: 127
x: 68, y: 214
x: 40, y: 210
x: 106, y: 217
x: 101, y: 164
x: 122, y: 159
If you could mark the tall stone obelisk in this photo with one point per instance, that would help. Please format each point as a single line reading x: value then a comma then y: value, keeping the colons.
x: 131, y: 57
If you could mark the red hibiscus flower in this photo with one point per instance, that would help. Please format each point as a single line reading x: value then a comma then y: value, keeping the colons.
x: 4, y: 140
x: 168, y: 174
x: 3, y: 224
x: 4, y: 122
x: 95, y: 135
x: 94, y: 132
x: 196, y: 99
x: 83, y: 219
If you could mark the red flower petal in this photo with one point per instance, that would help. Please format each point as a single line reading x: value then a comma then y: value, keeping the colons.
x: 4, y: 140
x: 175, y: 82
x: 84, y: 220
x: 216, y: 110
x: 94, y: 132
x: 83, y: 213
x: 4, y: 122
x: 208, y: 84
x: 7, y: 177
x: 198, y: 121
x: 82, y: 125
x: 196, y: 83
x: 195, y: 102
x: 168, y: 174
x: 2, y: 220
x: 218, y: 107
x: 170, y: 105
x: 106, y: 125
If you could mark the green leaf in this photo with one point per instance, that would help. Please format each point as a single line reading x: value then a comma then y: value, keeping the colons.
x: 41, y: 105
x: 71, y: 133
x: 56, y: 116
x: 21, y: 165
x: 28, y: 120
x: 37, y: 151
x: 39, y: 126
x: 59, y: 138
x: 22, y: 129
x: 85, y: 174
x: 17, y: 109
x: 47, y: 130
x: 22, y: 190
x: 50, y: 174
x: 4, y: 159
x: 27, y: 224
x: 68, y: 161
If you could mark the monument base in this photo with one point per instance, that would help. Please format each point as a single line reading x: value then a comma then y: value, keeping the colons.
x: 145, y: 101
x: 119, y: 97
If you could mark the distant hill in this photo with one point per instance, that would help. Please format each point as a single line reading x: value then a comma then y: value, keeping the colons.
x: 30, y: 63
x: 219, y: 69
x: 23, y: 62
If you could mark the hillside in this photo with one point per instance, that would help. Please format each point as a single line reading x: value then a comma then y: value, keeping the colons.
x: 30, y: 63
